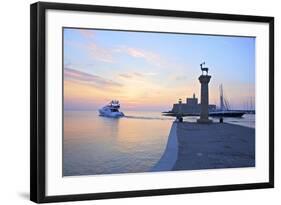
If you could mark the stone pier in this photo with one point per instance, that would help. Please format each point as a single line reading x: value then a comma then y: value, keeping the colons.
x: 214, y: 145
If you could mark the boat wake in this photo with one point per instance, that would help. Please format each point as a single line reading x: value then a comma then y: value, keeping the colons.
x: 147, y: 118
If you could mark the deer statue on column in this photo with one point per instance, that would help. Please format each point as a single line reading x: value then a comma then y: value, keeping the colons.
x: 204, y: 68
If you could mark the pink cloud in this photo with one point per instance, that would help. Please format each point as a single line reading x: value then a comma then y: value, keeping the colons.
x: 86, y: 33
x: 95, y: 51
x: 148, y: 56
x: 131, y: 75
x: 100, y: 53
x: 124, y: 75
x: 136, y: 53
x: 89, y: 79
x: 105, y: 54
x: 92, y: 47
x: 138, y: 74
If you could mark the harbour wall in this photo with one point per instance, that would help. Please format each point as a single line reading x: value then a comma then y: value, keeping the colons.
x: 169, y: 158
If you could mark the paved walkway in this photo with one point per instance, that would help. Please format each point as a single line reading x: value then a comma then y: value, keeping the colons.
x: 209, y: 146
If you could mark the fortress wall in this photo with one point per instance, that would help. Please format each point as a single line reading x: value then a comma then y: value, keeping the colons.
x: 190, y: 109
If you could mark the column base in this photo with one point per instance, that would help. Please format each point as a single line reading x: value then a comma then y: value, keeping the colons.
x: 204, y: 121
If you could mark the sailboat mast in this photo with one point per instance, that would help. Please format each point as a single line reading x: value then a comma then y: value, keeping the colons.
x: 221, y: 98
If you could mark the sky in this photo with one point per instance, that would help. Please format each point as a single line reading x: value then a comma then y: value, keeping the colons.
x: 151, y: 71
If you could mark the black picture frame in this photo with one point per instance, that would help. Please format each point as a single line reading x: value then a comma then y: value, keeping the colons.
x: 38, y: 101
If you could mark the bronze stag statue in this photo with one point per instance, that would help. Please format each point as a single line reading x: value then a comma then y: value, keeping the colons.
x: 204, y: 68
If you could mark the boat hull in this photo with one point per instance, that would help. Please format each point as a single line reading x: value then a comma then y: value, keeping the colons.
x: 211, y: 114
x: 226, y: 114
x: 111, y: 114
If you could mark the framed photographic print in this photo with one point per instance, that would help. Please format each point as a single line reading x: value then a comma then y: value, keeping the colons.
x: 129, y: 102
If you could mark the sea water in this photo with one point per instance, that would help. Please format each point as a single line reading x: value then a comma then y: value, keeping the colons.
x: 99, y: 145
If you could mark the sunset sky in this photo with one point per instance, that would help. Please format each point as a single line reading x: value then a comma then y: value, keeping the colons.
x: 151, y: 71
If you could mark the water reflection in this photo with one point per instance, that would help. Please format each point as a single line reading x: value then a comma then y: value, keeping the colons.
x: 100, y: 145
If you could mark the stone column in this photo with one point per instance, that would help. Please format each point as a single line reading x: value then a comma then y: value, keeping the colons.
x: 204, y: 115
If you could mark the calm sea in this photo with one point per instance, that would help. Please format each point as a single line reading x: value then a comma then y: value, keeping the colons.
x: 135, y: 143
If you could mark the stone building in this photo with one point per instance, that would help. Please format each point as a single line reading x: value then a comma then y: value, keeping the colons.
x: 191, y: 107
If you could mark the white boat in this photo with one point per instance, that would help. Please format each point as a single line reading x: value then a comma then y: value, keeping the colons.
x: 111, y: 110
